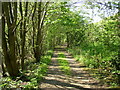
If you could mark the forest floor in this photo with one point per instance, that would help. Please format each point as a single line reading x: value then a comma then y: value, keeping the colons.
x: 80, y: 78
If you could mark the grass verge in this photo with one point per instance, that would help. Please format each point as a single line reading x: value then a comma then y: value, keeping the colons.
x: 100, y: 68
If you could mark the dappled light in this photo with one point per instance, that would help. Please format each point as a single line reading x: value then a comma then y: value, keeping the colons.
x: 78, y: 79
x: 60, y: 45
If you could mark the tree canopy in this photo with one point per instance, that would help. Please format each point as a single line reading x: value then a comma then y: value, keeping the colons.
x: 30, y: 30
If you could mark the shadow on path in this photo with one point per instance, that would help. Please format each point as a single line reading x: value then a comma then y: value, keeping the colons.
x: 79, y: 79
x: 63, y: 84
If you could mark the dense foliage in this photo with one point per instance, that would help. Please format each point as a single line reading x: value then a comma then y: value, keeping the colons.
x: 30, y: 30
x: 100, y: 48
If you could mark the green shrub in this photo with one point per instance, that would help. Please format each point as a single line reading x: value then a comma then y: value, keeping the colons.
x: 34, y: 74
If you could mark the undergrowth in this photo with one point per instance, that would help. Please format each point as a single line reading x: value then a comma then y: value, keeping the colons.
x: 31, y: 77
x: 100, y: 66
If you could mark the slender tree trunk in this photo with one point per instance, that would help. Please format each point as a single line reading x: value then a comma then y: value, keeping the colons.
x: 68, y: 39
x: 23, y: 37
x: 34, y: 29
x: 37, y: 50
x: 21, y: 27
x: 41, y: 17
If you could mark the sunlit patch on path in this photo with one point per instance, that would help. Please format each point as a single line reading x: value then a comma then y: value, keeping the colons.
x: 79, y: 79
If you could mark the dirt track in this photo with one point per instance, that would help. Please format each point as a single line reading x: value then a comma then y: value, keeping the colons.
x: 80, y: 78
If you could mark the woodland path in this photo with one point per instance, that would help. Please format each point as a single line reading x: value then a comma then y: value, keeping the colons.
x: 80, y: 78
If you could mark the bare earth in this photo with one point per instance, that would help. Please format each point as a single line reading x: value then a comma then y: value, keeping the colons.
x: 80, y: 78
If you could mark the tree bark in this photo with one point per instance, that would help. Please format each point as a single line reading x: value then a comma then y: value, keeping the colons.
x: 23, y: 37
x: 9, y: 50
x: 3, y: 70
x: 34, y: 29
x: 41, y: 17
x: 37, y: 50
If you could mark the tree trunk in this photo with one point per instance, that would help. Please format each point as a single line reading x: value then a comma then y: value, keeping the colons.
x: 68, y: 39
x: 34, y: 29
x: 3, y: 70
x: 37, y: 50
x: 9, y: 54
x: 23, y: 37
x: 41, y: 17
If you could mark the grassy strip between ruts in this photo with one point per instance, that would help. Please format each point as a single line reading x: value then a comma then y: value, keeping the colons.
x: 32, y: 76
x: 64, y: 64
